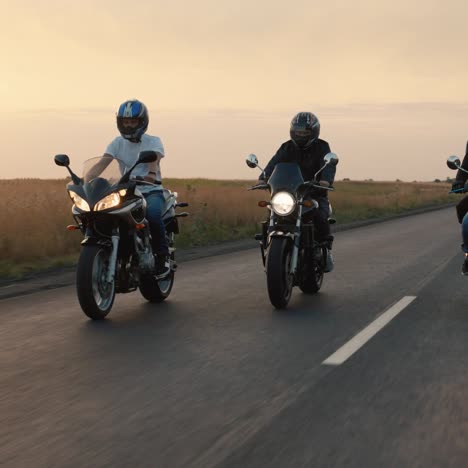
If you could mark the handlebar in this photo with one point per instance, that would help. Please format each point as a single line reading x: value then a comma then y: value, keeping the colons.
x: 318, y: 186
x: 306, y: 184
x: 259, y: 187
x: 139, y: 180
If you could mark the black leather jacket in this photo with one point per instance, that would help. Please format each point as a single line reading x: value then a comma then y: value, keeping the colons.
x: 310, y: 160
x: 463, y: 176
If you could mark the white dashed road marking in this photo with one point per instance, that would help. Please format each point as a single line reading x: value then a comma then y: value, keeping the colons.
x: 348, y: 349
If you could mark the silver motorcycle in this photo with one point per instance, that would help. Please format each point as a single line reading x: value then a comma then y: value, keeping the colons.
x: 116, y: 254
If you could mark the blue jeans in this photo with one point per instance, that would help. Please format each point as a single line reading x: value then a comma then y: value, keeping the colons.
x: 154, y: 210
x: 465, y: 233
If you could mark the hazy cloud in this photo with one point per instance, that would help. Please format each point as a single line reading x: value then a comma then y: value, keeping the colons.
x: 388, y: 80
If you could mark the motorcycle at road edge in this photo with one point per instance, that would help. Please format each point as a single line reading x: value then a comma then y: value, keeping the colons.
x: 291, y: 254
x: 454, y: 163
x: 116, y: 254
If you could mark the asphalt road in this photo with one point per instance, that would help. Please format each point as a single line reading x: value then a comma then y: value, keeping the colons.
x: 215, y: 377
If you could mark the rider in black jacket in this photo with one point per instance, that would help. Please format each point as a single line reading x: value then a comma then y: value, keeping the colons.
x: 306, y: 149
x: 462, y: 208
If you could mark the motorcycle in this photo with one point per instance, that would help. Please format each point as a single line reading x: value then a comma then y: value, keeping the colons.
x: 454, y: 163
x: 116, y: 255
x: 290, y: 252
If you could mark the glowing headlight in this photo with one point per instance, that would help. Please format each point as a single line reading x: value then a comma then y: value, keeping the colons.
x: 283, y: 203
x: 107, y: 202
x: 79, y: 202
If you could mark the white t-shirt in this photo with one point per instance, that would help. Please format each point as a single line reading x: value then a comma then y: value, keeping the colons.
x: 127, y: 151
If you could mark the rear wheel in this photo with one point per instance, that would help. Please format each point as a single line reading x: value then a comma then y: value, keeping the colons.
x: 279, y: 279
x: 154, y: 290
x: 95, y: 294
x: 312, y: 277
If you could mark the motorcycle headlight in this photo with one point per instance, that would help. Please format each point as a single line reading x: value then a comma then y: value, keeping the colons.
x: 79, y: 202
x: 107, y: 202
x: 283, y: 203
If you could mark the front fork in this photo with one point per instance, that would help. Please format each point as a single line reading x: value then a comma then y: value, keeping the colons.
x: 90, y: 238
x: 295, y: 236
x: 113, y: 255
x: 297, y: 240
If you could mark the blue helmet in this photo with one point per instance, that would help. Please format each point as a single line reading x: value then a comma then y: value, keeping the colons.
x: 133, y: 109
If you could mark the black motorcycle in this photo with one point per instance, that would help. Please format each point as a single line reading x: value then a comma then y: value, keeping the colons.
x: 454, y: 163
x: 290, y: 253
x: 116, y: 254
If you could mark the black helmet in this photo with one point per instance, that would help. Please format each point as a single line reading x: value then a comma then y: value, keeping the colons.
x: 305, y: 129
x: 133, y: 109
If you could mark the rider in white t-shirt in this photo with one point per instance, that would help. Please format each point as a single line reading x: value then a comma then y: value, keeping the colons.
x: 132, y: 122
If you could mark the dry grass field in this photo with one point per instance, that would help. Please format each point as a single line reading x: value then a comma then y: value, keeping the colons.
x: 34, y: 213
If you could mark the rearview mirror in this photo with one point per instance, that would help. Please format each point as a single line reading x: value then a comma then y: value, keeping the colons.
x: 147, y: 156
x: 252, y: 161
x: 331, y: 158
x: 453, y: 162
x: 62, y: 160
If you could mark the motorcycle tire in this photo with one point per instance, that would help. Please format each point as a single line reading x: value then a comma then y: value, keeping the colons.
x: 279, y: 280
x: 313, y: 275
x: 95, y: 295
x: 312, y: 282
x: 154, y: 290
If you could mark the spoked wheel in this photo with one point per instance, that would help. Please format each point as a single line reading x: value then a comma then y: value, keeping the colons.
x: 95, y: 294
x: 157, y: 290
x: 279, y: 279
x: 313, y: 275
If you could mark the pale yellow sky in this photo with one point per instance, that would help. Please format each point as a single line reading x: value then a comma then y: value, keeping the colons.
x: 221, y: 79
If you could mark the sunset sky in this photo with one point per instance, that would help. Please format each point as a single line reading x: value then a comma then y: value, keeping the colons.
x: 387, y: 79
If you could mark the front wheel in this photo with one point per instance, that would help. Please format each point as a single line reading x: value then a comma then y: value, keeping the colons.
x: 279, y: 278
x: 154, y: 290
x: 95, y: 294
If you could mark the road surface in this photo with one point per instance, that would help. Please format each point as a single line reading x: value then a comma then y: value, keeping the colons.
x: 215, y: 377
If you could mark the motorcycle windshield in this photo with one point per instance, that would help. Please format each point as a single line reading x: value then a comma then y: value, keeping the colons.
x: 286, y: 177
x: 100, y: 175
x: 105, y: 167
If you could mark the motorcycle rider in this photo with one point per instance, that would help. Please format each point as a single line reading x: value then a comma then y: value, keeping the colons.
x: 306, y: 149
x: 462, y: 208
x: 132, y: 123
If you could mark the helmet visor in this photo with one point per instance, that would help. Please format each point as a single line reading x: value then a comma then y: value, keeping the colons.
x: 301, y: 136
x: 128, y: 125
x: 303, y: 133
x: 130, y: 122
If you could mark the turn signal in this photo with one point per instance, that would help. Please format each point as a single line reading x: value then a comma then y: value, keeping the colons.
x: 263, y: 204
x: 307, y: 203
x: 73, y: 227
x: 139, y: 226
